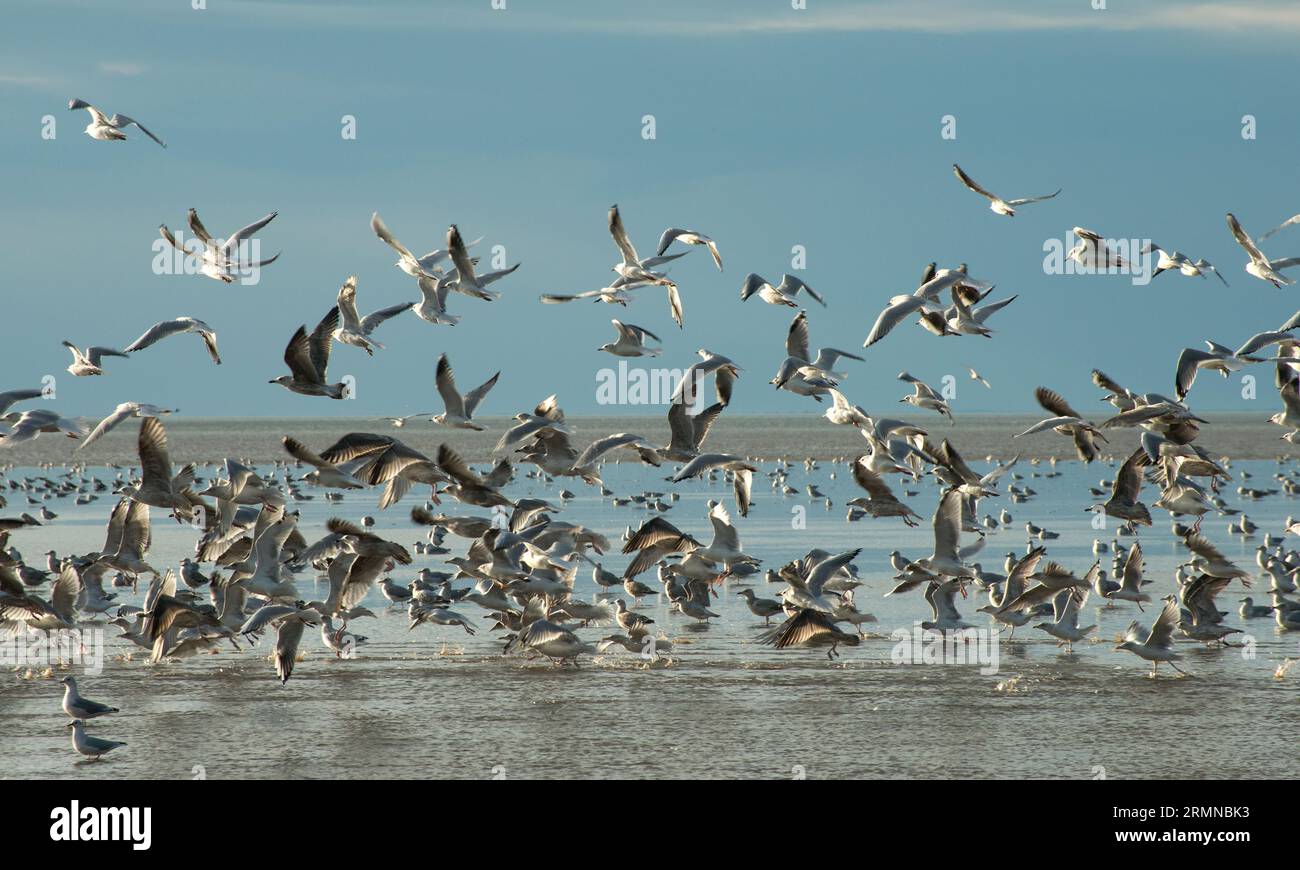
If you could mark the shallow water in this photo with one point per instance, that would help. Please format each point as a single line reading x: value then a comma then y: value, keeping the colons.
x: 436, y: 702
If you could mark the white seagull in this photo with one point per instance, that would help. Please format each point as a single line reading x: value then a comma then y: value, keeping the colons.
x: 688, y: 237
x: 108, y: 129
x: 86, y: 363
x: 179, y: 326
x: 355, y: 329
x: 996, y: 203
x: 1261, y: 266
x: 459, y: 410
x: 220, y: 261
x: 631, y: 341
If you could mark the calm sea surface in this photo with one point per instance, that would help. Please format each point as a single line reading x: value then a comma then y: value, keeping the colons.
x: 435, y: 702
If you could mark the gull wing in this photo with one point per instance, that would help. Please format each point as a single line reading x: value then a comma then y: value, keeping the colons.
x: 970, y: 183
x: 621, y: 240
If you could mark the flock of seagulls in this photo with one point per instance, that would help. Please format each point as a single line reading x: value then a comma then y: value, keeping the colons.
x: 519, y: 573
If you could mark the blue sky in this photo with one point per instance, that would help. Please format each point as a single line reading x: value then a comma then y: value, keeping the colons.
x: 775, y: 127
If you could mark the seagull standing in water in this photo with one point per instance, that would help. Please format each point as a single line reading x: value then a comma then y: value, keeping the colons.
x: 78, y: 707
x: 91, y: 747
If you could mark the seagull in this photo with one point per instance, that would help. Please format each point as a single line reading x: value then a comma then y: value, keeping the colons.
x: 288, y: 634
x: 86, y: 363
x: 843, y: 413
x: 1261, y: 266
x: 109, y: 129
x: 179, y: 326
x: 633, y: 269
x: 1289, y: 416
x: 1209, y: 560
x: 1066, y: 421
x: 326, y: 474
x: 943, y: 607
x: 925, y: 397
x: 124, y: 411
x: 220, y: 262
x: 1065, y: 618
x: 30, y: 424
x: 1093, y: 254
x: 158, y: 487
x: 925, y: 301
x: 308, y: 358
x: 91, y: 747
x: 1173, y: 261
x: 399, y: 422
x: 882, y: 501
x: 406, y: 261
x: 976, y: 376
x: 1001, y: 206
x: 466, y: 280
x: 688, y: 237
x: 459, y: 411
x: 799, y: 372
x: 539, y: 634
x: 945, y: 560
x: 764, y: 607
x: 1158, y: 646
x: 810, y: 628
x: 355, y: 329
x: 10, y: 398
x: 785, y: 293
x: 631, y: 341
x: 1223, y: 360
x: 708, y: 461
x: 432, y: 306
x: 78, y: 707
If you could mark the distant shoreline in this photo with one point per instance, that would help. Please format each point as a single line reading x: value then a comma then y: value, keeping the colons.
x: 765, y: 437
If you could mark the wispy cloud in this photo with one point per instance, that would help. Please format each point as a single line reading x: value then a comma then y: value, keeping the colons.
x: 123, y: 68
x: 682, y: 18
x: 25, y: 80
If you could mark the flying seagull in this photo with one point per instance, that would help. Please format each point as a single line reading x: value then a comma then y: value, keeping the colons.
x: 1261, y: 266
x: 631, y: 341
x: 459, y: 410
x: 86, y: 363
x: 124, y: 411
x: 308, y: 358
x: 220, y: 261
x: 688, y: 237
x: 996, y: 203
x: 355, y: 329
x: 109, y: 129
x: 179, y: 326
x: 784, y: 293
